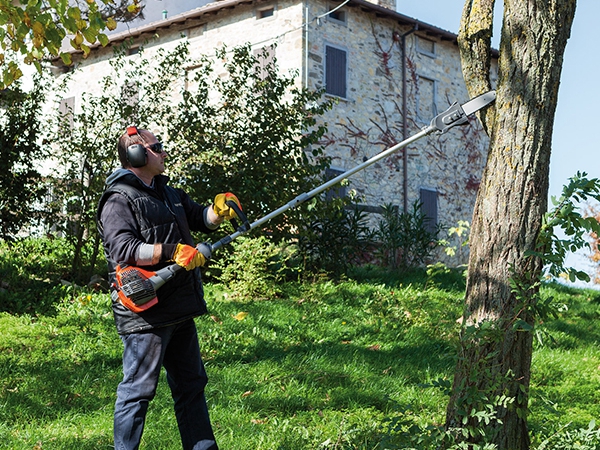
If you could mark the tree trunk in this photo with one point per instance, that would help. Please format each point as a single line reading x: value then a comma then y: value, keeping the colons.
x: 491, y: 383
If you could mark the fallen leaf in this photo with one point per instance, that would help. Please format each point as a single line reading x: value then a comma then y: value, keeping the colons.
x: 241, y: 315
x: 247, y: 394
x: 259, y: 421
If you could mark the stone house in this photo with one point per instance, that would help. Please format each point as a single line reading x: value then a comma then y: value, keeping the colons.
x: 390, y: 73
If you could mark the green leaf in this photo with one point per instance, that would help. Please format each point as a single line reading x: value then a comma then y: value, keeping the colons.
x: 520, y: 324
x: 66, y: 58
x: 74, y: 13
x: 103, y: 39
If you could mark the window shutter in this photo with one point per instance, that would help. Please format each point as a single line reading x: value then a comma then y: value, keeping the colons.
x: 335, y: 71
x: 429, y: 208
x: 337, y: 191
x: 66, y: 110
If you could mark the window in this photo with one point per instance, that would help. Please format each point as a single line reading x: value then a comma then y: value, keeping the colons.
x: 265, y: 56
x: 133, y: 50
x: 429, y: 208
x: 335, y: 71
x: 337, y: 15
x: 337, y: 191
x: 130, y: 96
x: 192, y: 33
x: 425, y: 46
x: 426, y: 99
x: 66, y: 109
x: 265, y: 12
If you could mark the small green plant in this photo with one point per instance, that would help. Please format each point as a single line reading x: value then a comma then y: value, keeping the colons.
x: 254, y: 268
x: 461, y: 231
x: 579, y: 439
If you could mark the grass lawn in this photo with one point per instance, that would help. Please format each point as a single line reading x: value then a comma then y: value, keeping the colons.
x: 324, y: 366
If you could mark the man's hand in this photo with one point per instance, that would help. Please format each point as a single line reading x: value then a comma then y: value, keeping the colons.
x: 188, y: 257
x: 222, y: 209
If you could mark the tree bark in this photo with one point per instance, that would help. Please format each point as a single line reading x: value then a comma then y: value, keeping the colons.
x: 495, y: 352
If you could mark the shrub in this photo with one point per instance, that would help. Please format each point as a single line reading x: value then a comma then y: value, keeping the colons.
x: 335, y: 237
x: 253, y: 268
x: 403, y: 240
x: 32, y: 271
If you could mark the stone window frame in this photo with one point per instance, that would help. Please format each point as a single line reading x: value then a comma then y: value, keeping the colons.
x: 345, y: 71
x: 66, y: 110
x: 195, y: 32
x: 266, y: 12
x: 264, y: 59
x: 434, y: 105
x: 424, y: 51
x: 134, y: 50
x: 130, y: 95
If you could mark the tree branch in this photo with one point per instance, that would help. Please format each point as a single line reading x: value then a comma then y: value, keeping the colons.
x: 474, y: 42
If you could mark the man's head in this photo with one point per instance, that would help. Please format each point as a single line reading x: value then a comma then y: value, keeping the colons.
x: 140, y: 151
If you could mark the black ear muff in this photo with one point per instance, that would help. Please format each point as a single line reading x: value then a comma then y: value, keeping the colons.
x: 136, y: 155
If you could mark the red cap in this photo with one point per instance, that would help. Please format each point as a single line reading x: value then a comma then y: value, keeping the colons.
x: 132, y: 130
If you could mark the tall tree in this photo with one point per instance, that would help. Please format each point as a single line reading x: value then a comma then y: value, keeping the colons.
x: 490, y: 391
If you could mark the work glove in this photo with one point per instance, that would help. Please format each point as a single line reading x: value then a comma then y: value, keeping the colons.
x: 222, y: 209
x: 188, y: 257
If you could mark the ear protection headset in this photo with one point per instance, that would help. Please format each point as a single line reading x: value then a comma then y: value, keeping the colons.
x: 136, y: 153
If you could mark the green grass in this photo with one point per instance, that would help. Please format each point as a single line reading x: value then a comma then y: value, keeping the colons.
x: 324, y: 366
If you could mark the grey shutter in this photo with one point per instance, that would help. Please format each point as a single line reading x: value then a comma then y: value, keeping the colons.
x: 429, y: 209
x: 335, y: 71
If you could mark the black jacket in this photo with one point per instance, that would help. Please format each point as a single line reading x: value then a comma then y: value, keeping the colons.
x: 131, y: 214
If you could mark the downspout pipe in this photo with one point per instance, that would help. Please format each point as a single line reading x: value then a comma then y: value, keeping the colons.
x: 405, y: 119
x: 305, y: 4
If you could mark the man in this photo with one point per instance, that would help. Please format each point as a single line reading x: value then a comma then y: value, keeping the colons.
x: 144, y: 222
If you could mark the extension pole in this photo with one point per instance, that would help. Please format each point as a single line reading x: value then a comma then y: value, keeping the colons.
x: 142, y: 289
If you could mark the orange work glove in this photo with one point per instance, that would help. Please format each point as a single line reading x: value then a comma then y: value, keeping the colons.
x: 188, y: 257
x: 222, y: 209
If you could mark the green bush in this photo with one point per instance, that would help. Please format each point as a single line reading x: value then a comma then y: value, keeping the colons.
x: 335, y: 237
x: 254, y: 267
x: 32, y: 272
x: 403, y: 240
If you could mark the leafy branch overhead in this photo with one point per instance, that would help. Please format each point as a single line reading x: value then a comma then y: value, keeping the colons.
x: 34, y: 30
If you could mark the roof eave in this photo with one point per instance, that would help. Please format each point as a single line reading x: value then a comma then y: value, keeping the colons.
x: 213, y: 8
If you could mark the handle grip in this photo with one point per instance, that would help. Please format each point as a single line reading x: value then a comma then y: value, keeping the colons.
x: 241, y: 215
